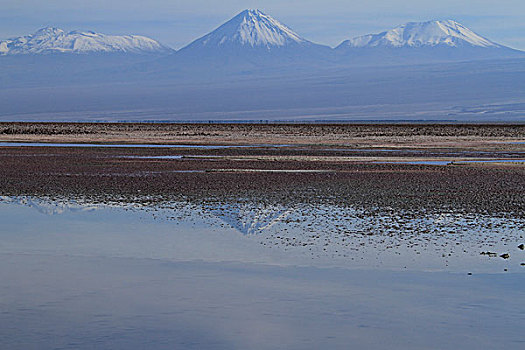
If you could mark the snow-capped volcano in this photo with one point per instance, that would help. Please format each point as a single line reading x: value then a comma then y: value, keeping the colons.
x: 54, y: 40
x: 252, y: 40
x: 251, y: 29
x: 423, y: 34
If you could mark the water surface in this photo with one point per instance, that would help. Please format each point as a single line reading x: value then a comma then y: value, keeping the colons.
x: 226, y: 275
x: 98, y: 145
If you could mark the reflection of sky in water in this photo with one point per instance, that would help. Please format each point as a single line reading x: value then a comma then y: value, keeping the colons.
x: 420, y: 162
x: 493, y: 161
x: 321, y: 235
x: 99, y: 145
x: 189, y: 277
x: 448, y: 162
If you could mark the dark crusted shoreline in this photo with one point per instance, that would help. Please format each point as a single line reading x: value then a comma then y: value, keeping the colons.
x: 110, y: 174
x: 413, y: 135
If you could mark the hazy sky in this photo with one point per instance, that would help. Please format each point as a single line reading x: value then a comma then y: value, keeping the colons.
x: 177, y: 22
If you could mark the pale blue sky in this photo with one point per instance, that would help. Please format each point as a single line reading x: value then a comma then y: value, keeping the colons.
x: 177, y: 22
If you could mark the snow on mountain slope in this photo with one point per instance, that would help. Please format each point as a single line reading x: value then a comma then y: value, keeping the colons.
x: 251, y: 29
x: 3, y: 47
x: 250, y: 42
x: 54, y: 40
x: 423, y: 34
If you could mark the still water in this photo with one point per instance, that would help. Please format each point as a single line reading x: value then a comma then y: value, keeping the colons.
x: 240, y: 275
x: 116, y: 145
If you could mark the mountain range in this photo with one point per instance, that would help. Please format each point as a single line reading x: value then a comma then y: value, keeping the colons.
x: 254, y: 37
x: 255, y: 68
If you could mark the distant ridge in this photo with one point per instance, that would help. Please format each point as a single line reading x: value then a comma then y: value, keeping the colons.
x: 420, y: 43
x: 51, y: 40
x: 446, y: 33
x: 254, y: 41
x: 250, y: 45
x: 253, y: 38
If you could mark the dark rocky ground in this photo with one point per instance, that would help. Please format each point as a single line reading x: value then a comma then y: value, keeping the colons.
x: 413, y: 135
x: 105, y: 174
x: 205, y: 129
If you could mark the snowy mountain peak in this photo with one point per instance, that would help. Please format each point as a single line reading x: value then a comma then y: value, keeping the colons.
x: 251, y: 28
x: 55, y: 40
x: 49, y: 31
x: 446, y: 33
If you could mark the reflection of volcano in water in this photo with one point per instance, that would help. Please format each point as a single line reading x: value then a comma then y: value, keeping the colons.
x: 250, y: 219
x: 48, y: 207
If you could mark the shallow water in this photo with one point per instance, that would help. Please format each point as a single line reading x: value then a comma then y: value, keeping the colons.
x: 320, y: 235
x: 245, y: 275
x: 171, y: 157
x: 493, y: 161
x: 420, y: 162
x: 97, y: 145
x: 449, y: 162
